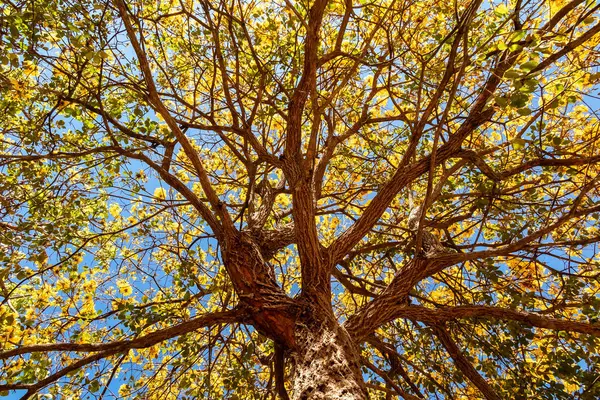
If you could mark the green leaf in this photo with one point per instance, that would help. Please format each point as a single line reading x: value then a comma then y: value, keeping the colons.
x: 519, y: 100
x: 531, y: 82
x: 512, y: 74
x: 529, y: 65
x: 557, y: 141
x: 501, y: 101
x: 94, y: 386
x: 518, y: 35
x: 10, y: 319
x: 501, y: 10
x: 515, y: 47
x: 524, y: 111
x: 518, y: 143
x: 21, y: 275
x: 589, y: 20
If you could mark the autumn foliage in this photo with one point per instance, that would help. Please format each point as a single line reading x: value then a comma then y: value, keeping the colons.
x: 326, y: 199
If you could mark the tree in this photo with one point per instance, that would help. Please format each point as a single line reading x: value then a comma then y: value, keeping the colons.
x: 334, y: 199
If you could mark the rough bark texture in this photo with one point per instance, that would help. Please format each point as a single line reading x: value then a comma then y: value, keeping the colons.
x: 272, y: 311
x: 324, y: 355
x: 326, y: 364
x: 326, y: 360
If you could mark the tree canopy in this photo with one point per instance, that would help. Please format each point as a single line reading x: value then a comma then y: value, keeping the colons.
x: 319, y: 199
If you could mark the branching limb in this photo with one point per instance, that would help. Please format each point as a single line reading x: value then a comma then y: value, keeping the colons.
x: 158, y: 105
x: 479, y: 114
x: 236, y: 315
x: 395, y: 361
x: 463, y: 364
x: 280, y: 371
x: 35, y: 387
x: 381, y: 309
x: 389, y: 380
x: 447, y: 314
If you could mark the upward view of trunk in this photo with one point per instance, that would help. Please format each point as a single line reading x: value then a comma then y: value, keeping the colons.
x: 325, y: 359
x: 320, y: 199
x: 326, y: 363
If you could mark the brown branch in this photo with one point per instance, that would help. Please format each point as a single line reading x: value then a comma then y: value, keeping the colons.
x: 395, y: 361
x: 179, y: 186
x: 307, y: 81
x: 315, y: 276
x: 280, y: 371
x: 407, y: 173
x: 566, y: 49
x: 446, y: 314
x: 488, y: 171
x: 236, y: 315
x: 53, y: 155
x: 560, y: 14
x: 384, y: 308
x: 158, y: 105
x: 109, y: 118
x: 477, y: 116
x: 33, y: 388
x: 389, y: 380
x: 349, y: 286
x: 446, y: 260
x: 463, y: 364
x: 271, y: 241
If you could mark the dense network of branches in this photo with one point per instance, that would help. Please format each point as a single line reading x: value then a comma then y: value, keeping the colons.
x: 195, y: 192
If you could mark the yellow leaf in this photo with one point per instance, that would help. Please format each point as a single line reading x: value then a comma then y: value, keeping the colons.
x: 124, y: 287
x: 160, y: 193
x: 115, y: 210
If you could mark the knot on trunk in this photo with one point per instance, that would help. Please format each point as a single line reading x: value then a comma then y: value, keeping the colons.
x: 430, y: 244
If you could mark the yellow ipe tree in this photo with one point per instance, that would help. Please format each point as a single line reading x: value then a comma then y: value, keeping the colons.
x: 327, y: 199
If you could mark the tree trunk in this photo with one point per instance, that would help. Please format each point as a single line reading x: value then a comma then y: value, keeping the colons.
x: 326, y: 363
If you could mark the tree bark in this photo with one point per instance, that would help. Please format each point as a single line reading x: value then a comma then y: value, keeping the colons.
x: 325, y: 359
x: 326, y: 363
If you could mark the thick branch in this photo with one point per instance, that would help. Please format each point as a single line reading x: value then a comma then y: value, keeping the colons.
x: 446, y: 314
x: 315, y: 276
x: 307, y: 81
x: 237, y: 315
x: 477, y: 116
x: 463, y: 364
x: 344, y: 243
x: 383, y: 309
